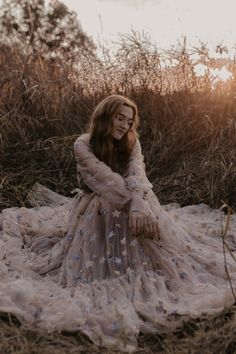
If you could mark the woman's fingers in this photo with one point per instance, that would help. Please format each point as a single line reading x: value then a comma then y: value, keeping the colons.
x: 136, y: 223
x: 157, y: 229
x: 152, y: 229
x: 139, y: 224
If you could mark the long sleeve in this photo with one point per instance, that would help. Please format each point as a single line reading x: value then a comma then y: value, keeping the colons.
x: 137, y: 181
x: 136, y: 178
x: 98, y: 176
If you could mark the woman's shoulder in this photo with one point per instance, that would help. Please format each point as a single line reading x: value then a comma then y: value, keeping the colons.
x: 85, y: 138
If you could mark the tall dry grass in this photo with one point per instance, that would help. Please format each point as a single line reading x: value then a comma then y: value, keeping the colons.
x: 187, y: 130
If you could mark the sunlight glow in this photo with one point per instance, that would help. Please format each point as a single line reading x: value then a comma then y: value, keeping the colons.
x: 221, y: 74
x: 200, y: 70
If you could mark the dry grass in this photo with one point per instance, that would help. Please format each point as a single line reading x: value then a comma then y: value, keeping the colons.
x: 206, y: 334
x: 187, y: 130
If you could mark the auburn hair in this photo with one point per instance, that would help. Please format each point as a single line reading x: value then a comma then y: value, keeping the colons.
x: 115, y: 153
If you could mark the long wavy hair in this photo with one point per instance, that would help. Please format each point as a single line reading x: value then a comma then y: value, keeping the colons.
x: 115, y: 153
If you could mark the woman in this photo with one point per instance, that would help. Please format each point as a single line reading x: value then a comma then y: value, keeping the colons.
x: 111, y: 212
x: 126, y: 263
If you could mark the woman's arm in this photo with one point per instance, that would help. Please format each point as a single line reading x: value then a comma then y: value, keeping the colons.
x: 98, y: 176
x: 141, y: 217
x: 136, y: 178
x: 137, y: 181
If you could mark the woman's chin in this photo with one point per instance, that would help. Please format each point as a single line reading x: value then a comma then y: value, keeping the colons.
x: 117, y: 137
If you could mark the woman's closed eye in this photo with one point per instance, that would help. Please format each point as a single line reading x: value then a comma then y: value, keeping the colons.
x: 122, y: 119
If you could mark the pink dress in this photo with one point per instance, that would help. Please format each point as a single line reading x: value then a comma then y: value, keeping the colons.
x: 94, y: 276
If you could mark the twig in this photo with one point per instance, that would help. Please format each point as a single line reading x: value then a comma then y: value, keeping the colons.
x: 223, y: 235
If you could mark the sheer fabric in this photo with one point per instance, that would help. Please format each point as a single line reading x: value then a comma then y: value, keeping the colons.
x: 73, y: 264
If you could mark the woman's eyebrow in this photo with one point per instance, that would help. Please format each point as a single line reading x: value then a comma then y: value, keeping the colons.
x: 123, y: 115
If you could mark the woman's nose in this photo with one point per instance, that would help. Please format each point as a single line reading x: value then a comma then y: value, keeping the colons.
x: 125, y: 125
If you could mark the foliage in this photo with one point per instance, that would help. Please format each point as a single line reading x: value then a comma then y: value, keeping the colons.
x: 52, y: 29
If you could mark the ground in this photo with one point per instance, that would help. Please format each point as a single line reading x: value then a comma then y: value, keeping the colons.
x: 204, y: 335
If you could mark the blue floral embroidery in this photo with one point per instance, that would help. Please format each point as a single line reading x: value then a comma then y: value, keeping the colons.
x: 103, y: 211
x: 75, y: 258
x: 114, y: 326
x: 90, y: 216
x: 183, y: 275
x: 79, y: 278
x: 118, y: 260
x: 69, y: 237
x: 18, y: 217
x: 111, y: 234
x: 174, y: 312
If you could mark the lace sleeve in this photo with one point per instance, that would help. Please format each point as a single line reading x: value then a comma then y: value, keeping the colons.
x: 98, y: 176
x: 137, y: 181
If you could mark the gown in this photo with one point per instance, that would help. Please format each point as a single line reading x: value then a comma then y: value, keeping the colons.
x: 74, y: 265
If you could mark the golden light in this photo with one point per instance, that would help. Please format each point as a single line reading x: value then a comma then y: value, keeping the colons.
x: 200, y: 69
x: 222, y: 74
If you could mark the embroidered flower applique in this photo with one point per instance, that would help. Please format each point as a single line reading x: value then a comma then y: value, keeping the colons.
x: 75, y: 258
x: 116, y: 214
x: 78, y: 278
x: 102, y: 260
x: 124, y: 253
x: 89, y: 264
x: 114, y: 326
x: 103, y: 211
x: 118, y: 260
x: 110, y: 235
x: 183, y: 275
x: 90, y: 216
x: 93, y: 237
x: 123, y: 241
x: 18, y: 217
x: 69, y: 237
x: 133, y: 243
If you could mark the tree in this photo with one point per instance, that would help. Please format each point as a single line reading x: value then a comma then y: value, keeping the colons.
x: 47, y: 28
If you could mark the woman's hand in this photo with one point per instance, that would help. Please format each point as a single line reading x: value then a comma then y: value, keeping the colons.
x: 147, y: 226
x: 151, y: 227
x: 136, y: 222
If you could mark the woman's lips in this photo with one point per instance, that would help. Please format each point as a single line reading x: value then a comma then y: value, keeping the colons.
x: 121, y: 131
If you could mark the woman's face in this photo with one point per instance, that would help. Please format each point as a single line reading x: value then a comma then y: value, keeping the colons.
x: 122, y: 122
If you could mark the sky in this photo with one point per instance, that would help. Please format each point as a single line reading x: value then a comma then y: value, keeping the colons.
x: 166, y: 21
